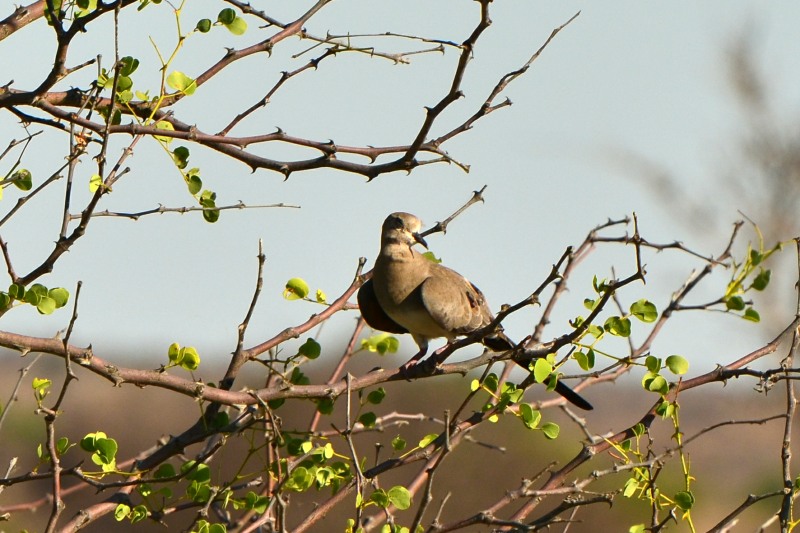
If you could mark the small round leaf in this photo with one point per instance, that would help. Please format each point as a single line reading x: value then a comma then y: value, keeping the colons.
x: 400, y: 497
x: 296, y: 288
x: 677, y: 364
x: 310, y: 349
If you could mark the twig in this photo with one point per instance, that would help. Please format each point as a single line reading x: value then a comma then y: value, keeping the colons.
x: 239, y: 356
x: 791, y: 406
x: 160, y: 210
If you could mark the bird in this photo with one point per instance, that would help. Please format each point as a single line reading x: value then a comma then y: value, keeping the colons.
x: 409, y: 293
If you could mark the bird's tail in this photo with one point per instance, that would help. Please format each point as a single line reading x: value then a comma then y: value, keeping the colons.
x: 499, y: 342
x: 572, y: 397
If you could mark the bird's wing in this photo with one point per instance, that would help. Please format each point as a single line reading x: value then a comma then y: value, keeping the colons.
x: 454, y: 303
x: 373, y: 313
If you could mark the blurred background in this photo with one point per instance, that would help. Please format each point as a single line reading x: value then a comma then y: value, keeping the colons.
x: 684, y: 113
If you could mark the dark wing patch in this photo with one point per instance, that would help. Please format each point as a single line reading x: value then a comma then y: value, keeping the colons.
x: 373, y: 313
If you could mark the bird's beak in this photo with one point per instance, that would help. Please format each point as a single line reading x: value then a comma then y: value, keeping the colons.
x: 419, y: 239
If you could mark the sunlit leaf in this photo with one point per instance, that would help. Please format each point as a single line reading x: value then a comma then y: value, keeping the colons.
x: 677, y: 364
x: 644, y: 310
x: 181, y: 82
x: 296, y: 288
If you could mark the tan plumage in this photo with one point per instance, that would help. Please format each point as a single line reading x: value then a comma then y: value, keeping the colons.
x: 409, y: 293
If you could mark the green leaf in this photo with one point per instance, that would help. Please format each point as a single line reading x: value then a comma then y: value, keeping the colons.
x: 164, y: 470
x: 542, y: 370
x: 182, y: 83
x: 203, y: 25
x: 193, y: 181
x: 368, y: 419
x: 256, y: 502
x: 751, y: 315
x: 621, y: 327
x: 652, y: 363
x: 84, y: 7
x: 310, y: 349
x: 685, y: 500
x: 399, y: 443
x: 95, y: 182
x: 655, y: 383
x: 376, y: 397
x: 638, y: 528
x: 589, y: 304
x: 174, y: 353
x: 321, y: 297
x: 22, y: 179
x: 491, y: 382
x: 585, y: 360
x: 296, y: 288
x: 208, y: 201
x: 380, y: 498
x: 198, y: 492
x: 530, y: 416
x: 106, y: 450
x: 400, y: 497
x: 124, y: 83
x: 128, y: 65
x: 238, y: 26
x: 35, y: 293
x: 644, y: 310
x: 165, y: 126
x: 60, y: 295
x: 102, y: 79
x: 301, y: 479
x: 189, y: 358
x: 595, y: 331
x: 138, y: 514
x: 382, y: 343
x: 201, y: 474
x: 88, y: 442
x: 123, y: 97
x: 181, y: 157
x: 57, y: 11
x: 677, y: 364
x: 40, y: 387
x: 325, y: 406
x: 600, y: 285
x: 121, y: 512
x: 735, y: 303
x: 298, y: 378
x: 551, y: 430
x: 511, y: 394
x: 427, y: 439
x: 631, y: 486
x: 62, y: 445
x: 665, y: 409
x: 226, y: 16
x: 16, y: 291
x: 762, y: 280
x: 46, y: 305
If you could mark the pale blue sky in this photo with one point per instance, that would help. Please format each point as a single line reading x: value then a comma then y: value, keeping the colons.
x: 624, y: 78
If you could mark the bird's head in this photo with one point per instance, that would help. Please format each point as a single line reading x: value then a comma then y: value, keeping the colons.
x: 404, y: 228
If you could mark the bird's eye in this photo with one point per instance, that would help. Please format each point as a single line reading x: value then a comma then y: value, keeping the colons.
x: 397, y: 223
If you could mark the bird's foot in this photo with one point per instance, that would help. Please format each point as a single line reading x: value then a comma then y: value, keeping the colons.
x: 405, y: 369
x: 440, y: 356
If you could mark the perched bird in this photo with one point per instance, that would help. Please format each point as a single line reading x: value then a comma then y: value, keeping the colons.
x: 408, y: 293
